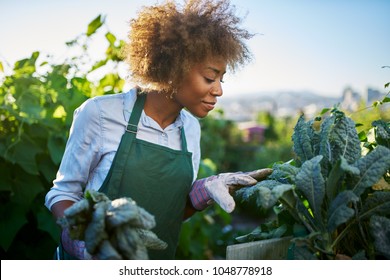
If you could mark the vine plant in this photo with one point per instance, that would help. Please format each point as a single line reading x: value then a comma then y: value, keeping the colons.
x: 36, y: 108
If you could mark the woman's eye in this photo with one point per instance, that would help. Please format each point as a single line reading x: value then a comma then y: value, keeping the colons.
x: 210, y: 81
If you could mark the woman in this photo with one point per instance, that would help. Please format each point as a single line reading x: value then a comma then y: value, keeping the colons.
x: 142, y: 144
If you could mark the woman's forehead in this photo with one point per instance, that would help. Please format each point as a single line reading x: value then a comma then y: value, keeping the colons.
x: 217, y: 65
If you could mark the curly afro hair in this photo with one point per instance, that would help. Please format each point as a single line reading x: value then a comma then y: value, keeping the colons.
x: 166, y: 40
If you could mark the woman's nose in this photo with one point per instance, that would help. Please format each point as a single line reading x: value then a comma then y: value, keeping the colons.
x: 217, y: 90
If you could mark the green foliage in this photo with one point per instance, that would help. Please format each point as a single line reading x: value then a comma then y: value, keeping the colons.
x: 37, y: 101
x: 221, y: 142
x: 205, y: 235
x: 330, y: 190
x: 95, y: 24
x: 276, y: 128
x: 276, y: 145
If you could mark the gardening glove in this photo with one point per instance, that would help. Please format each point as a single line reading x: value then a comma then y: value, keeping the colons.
x: 75, y: 248
x: 220, y: 188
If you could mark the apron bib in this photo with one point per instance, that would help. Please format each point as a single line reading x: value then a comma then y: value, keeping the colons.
x: 158, y: 178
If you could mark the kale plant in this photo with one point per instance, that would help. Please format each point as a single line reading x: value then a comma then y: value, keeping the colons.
x: 333, y: 198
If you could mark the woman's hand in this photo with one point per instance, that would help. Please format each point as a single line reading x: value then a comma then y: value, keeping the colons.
x: 219, y: 188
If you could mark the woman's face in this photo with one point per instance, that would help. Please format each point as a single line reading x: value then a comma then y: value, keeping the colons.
x: 201, y: 87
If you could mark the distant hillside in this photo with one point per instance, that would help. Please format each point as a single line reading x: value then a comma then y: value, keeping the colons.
x: 245, y: 107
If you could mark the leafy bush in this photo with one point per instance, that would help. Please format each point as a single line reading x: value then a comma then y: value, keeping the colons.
x: 37, y: 103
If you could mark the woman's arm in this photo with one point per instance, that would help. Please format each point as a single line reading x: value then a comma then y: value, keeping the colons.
x: 59, y: 207
x: 81, y: 155
x: 189, y: 210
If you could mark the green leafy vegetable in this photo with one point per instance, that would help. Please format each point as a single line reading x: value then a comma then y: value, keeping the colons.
x: 334, y: 193
x: 117, y: 229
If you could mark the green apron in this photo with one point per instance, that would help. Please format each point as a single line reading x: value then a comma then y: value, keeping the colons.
x: 158, y: 178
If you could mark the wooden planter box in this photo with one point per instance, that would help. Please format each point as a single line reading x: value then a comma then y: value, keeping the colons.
x: 271, y: 249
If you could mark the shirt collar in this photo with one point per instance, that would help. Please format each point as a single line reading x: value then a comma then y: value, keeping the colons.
x: 145, y: 120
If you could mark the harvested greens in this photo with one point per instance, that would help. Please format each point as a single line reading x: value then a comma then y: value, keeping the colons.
x: 112, y: 229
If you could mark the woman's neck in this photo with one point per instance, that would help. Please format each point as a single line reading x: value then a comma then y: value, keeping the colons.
x: 161, y: 108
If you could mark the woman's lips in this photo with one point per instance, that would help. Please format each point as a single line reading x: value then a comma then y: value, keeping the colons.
x: 209, y: 105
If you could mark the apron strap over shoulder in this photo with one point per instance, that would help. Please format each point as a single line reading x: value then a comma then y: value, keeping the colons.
x: 183, y: 141
x: 136, y: 114
x: 123, y: 151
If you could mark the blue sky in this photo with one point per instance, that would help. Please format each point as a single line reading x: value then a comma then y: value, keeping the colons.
x: 314, y: 45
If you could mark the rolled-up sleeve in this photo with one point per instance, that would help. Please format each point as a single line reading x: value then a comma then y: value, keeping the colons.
x: 193, y: 133
x: 82, y: 154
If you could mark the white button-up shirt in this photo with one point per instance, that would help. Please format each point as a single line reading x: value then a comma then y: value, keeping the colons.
x: 94, y: 137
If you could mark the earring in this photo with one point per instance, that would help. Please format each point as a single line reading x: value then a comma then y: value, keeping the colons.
x: 172, y: 93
